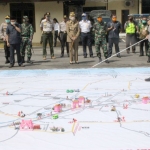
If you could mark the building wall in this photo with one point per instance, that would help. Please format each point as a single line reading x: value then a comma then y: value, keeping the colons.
x: 4, y: 11
x: 114, y: 5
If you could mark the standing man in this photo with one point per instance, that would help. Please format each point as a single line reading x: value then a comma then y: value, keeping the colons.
x: 130, y: 28
x: 148, y: 37
x: 3, y: 28
x: 73, y: 31
x: 113, y: 28
x: 143, y: 32
x: 63, y: 37
x: 56, y: 31
x: 13, y: 39
x: 85, y: 26
x: 100, y: 29
x: 27, y: 36
x: 47, y: 27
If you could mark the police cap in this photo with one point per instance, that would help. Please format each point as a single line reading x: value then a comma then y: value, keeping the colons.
x: 48, y: 14
x: 72, y: 14
x: 7, y: 17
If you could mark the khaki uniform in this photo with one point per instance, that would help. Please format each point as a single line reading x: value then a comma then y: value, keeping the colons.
x: 47, y: 36
x: 3, y: 28
x: 73, y: 30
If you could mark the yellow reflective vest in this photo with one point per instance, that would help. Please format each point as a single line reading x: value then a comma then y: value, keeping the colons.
x: 131, y: 28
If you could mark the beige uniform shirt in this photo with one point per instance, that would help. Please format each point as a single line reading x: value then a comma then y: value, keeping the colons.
x: 47, y: 25
x: 62, y: 26
x: 73, y: 30
x: 3, y: 28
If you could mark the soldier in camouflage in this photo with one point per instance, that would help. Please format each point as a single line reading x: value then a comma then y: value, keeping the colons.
x: 100, y: 29
x: 3, y: 28
x: 27, y: 36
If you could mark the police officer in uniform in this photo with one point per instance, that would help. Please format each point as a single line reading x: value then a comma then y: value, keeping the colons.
x: 27, y: 36
x: 130, y: 28
x: 63, y: 37
x: 73, y: 31
x: 47, y: 27
x: 3, y: 28
x: 85, y: 26
x: 100, y: 29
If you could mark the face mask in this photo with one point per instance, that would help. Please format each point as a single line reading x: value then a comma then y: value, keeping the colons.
x: 7, y: 21
x: 13, y: 23
x: 84, y: 18
x: 99, y: 19
x: 144, y: 21
x: 114, y: 19
x: 72, y: 18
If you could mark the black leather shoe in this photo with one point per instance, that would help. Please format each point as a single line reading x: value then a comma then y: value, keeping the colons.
x: 85, y: 56
x: 100, y: 59
x: 148, y: 61
x: 29, y: 61
x: 148, y: 79
x: 7, y: 61
x: 21, y: 65
x: 118, y: 56
x: 106, y: 61
x: 11, y: 66
x: 91, y: 56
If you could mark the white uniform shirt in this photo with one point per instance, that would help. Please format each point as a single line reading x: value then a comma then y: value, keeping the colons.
x: 56, y: 27
x: 47, y: 25
x: 62, y: 26
x: 85, y: 26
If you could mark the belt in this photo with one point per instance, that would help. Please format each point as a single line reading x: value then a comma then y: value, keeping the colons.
x: 47, y: 32
x: 85, y: 32
x: 63, y: 32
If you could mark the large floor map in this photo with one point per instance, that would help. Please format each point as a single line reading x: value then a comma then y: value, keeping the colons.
x: 81, y: 109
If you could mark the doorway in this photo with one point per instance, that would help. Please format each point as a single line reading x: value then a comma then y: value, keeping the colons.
x: 125, y: 14
x: 19, y: 10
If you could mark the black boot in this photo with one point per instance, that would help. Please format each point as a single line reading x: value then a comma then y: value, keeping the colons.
x: 29, y: 61
x: 148, y: 59
x: 100, y: 59
x: 118, y: 55
x: 141, y: 53
x: 23, y: 59
x: 7, y: 60
x: 106, y: 61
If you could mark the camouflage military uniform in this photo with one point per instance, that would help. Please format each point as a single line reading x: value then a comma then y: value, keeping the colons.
x: 100, y: 38
x: 27, y: 35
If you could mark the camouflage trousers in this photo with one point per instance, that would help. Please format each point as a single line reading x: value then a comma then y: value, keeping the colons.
x: 26, y: 45
x: 148, y: 52
x: 101, y: 43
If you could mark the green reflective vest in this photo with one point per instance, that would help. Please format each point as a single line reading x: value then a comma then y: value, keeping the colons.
x: 130, y: 28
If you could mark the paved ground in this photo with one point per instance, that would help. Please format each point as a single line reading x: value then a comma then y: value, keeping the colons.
x: 127, y: 60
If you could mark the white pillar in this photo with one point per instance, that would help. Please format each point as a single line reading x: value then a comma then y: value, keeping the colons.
x: 140, y: 6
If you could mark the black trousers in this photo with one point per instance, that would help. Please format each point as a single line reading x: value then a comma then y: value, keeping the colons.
x: 6, y: 49
x: 55, y: 37
x: 112, y: 41
x: 86, y: 40
x: 63, y: 41
x: 17, y: 48
x: 130, y: 39
x: 145, y: 42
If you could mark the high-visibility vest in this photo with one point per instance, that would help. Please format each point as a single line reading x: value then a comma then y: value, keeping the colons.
x: 130, y: 28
